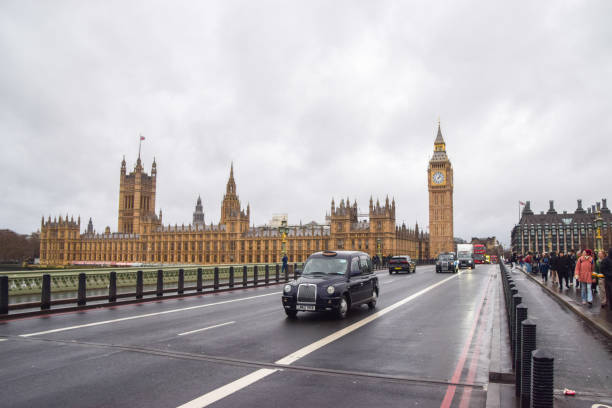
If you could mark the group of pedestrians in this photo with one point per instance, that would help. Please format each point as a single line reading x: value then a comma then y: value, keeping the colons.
x: 591, y: 272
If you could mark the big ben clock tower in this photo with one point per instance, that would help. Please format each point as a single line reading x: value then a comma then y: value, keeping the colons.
x: 440, y: 183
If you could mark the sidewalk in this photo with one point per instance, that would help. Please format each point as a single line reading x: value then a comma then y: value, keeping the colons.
x: 578, y: 340
x: 600, y: 318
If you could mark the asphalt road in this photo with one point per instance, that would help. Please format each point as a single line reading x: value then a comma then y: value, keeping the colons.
x: 426, y: 344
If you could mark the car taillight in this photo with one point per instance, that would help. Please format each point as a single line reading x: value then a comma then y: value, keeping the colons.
x: 404, y: 262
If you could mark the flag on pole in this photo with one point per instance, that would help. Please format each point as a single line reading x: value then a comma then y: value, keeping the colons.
x: 142, y: 137
x: 521, y: 203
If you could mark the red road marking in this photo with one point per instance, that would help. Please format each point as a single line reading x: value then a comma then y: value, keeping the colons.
x: 450, y: 391
x: 467, y: 391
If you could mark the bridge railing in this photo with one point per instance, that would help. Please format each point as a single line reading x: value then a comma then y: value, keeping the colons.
x: 173, y: 281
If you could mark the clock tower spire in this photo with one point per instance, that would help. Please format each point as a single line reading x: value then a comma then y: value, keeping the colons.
x: 440, y: 185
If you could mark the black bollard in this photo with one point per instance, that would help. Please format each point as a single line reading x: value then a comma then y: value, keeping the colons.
x: 287, y: 273
x: 112, y: 287
x: 521, y: 314
x: 45, y: 296
x: 267, y: 274
x: 231, y: 277
x: 516, y: 300
x: 159, y: 292
x: 295, y: 271
x: 139, y: 284
x: 180, y: 287
x: 4, y: 294
x: 542, y: 379
x: 199, y: 280
x: 216, y: 279
x: 528, y: 344
x: 255, y: 275
x: 277, y: 267
x: 245, y: 275
x: 82, y: 291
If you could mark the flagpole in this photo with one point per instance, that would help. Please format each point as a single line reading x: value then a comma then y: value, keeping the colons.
x: 139, y: 144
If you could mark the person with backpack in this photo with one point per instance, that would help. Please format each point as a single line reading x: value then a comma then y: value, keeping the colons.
x: 584, y: 274
x: 554, y: 267
x: 544, y: 267
x: 527, y: 261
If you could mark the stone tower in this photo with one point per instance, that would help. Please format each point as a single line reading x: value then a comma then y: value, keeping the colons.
x: 198, y: 214
x: 440, y: 183
x: 136, y: 198
x: 235, y: 219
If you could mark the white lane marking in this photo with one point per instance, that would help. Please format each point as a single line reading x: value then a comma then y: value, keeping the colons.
x: 229, y: 389
x: 146, y: 315
x: 206, y: 328
x: 389, y: 281
x: 2, y: 339
x: 219, y: 393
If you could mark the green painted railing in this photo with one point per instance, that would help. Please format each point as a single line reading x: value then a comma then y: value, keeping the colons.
x: 28, y: 283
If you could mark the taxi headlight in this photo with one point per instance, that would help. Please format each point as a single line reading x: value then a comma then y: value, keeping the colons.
x: 287, y: 288
x: 330, y: 290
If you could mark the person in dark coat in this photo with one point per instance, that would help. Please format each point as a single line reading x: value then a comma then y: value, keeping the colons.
x: 553, y: 268
x: 572, y: 266
x: 544, y: 267
x: 606, y: 269
x: 563, y: 270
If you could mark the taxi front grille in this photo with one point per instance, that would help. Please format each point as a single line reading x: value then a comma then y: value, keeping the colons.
x: 307, y: 293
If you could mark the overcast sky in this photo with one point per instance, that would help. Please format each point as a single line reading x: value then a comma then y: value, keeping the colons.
x: 310, y: 100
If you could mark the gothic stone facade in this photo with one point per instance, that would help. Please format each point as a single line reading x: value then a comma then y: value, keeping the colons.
x: 142, y: 238
x: 563, y: 232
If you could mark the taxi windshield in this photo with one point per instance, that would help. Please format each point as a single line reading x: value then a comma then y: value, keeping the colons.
x: 325, y: 266
x: 446, y: 258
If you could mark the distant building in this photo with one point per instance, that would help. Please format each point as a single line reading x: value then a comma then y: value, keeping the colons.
x: 491, y: 244
x: 277, y: 220
x: 552, y: 231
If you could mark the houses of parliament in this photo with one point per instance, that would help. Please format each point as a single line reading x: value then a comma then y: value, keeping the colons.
x: 142, y: 237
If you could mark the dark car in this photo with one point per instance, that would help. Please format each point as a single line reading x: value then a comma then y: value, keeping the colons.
x: 332, y: 281
x: 401, y: 263
x: 446, y: 263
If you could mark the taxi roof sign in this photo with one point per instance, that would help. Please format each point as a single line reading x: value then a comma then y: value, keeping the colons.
x: 329, y: 253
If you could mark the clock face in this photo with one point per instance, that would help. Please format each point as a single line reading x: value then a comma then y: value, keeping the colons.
x: 438, y: 177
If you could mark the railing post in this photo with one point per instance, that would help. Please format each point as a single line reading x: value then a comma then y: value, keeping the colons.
x: 255, y: 277
x: 542, y: 379
x: 286, y: 273
x: 45, y: 296
x: 112, y: 287
x: 528, y: 344
x: 4, y: 294
x: 82, y: 294
x: 267, y: 274
x: 160, y: 283
x: 277, y: 273
x: 216, y: 279
x: 295, y: 271
x: 139, y: 284
x: 231, y: 277
x: 521, y: 314
x: 199, y: 280
x: 244, y: 276
x: 180, y: 287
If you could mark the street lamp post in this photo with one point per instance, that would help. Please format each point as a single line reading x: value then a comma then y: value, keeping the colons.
x: 599, y: 224
x: 284, y: 230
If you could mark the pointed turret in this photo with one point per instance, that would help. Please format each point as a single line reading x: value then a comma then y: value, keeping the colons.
x: 154, y: 168
x: 231, y: 183
x: 123, y: 166
x: 439, y: 147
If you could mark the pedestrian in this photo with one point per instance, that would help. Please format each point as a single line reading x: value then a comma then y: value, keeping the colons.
x: 572, y: 266
x: 285, y: 262
x: 606, y: 270
x: 584, y: 274
x: 527, y: 261
x: 553, y: 268
x: 563, y: 270
x: 601, y: 288
x: 544, y: 267
x: 521, y: 260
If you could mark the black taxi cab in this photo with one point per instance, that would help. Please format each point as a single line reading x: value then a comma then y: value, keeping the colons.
x: 332, y: 281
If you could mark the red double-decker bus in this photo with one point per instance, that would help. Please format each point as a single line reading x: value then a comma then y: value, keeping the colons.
x: 479, y: 253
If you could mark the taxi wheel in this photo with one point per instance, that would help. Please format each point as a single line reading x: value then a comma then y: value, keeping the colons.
x: 390, y: 272
x: 292, y: 314
x: 372, y: 303
x: 343, y: 308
